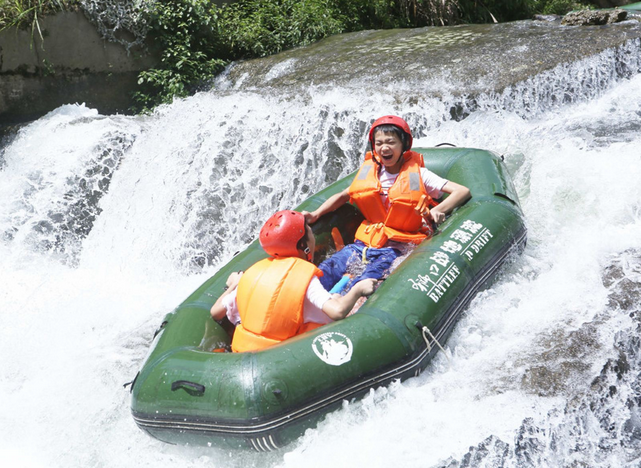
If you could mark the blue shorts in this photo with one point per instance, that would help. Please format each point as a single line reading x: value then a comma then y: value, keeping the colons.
x: 349, y: 260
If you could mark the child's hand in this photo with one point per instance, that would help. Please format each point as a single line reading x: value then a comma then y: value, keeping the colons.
x: 311, y: 218
x: 233, y: 279
x: 437, y: 215
x: 366, y: 287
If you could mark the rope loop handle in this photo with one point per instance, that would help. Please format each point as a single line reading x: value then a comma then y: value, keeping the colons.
x: 427, y: 334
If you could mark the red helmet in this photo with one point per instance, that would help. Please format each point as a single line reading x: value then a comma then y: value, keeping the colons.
x: 279, y: 236
x: 396, y: 121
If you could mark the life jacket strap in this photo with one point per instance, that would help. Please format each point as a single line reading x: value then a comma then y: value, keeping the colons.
x: 364, y: 260
x: 423, y: 206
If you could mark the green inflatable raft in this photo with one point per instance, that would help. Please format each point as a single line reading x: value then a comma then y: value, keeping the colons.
x: 186, y: 393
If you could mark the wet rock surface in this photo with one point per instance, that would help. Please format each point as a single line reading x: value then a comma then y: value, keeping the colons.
x: 594, y: 17
x: 563, y: 360
x: 468, y: 59
x: 623, y: 278
x: 601, y: 419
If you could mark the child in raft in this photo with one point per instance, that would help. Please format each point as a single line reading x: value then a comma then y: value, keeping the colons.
x: 281, y: 297
x: 394, y: 191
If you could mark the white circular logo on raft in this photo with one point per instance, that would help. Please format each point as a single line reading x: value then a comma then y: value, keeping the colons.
x: 333, y: 348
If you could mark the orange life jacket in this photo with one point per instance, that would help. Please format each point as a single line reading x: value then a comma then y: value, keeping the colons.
x: 408, y: 201
x: 270, y: 299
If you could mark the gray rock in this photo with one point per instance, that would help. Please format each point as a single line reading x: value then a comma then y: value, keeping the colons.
x: 594, y: 17
x: 550, y: 18
x: 466, y: 59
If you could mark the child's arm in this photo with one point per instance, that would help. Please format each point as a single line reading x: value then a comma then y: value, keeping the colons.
x: 338, y: 306
x: 459, y: 194
x: 332, y: 203
x: 218, y: 310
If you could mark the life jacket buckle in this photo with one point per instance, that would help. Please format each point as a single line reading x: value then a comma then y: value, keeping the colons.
x: 374, y: 226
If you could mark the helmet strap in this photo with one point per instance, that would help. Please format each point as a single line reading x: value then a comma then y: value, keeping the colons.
x: 307, y: 251
x: 375, y: 157
x: 304, y: 247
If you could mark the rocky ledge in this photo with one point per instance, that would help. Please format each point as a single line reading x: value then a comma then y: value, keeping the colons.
x: 594, y: 17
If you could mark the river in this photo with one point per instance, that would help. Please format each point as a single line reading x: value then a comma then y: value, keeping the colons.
x: 108, y: 222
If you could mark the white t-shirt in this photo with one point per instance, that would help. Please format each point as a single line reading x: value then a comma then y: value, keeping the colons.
x: 312, y: 307
x: 433, y: 183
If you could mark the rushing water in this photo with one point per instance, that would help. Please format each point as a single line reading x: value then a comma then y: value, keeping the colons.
x: 107, y: 223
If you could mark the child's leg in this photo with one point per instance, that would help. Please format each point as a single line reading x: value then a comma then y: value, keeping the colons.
x: 335, y: 267
x: 379, y: 262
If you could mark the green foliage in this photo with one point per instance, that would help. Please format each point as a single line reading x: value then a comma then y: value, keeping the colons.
x: 255, y: 28
x: 185, y: 31
x: 561, y: 7
x: 485, y: 11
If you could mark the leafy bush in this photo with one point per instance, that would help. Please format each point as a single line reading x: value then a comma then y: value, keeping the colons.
x: 185, y: 30
x: 255, y: 28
